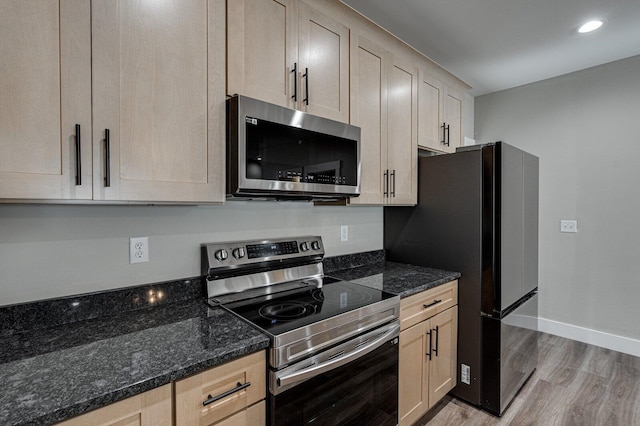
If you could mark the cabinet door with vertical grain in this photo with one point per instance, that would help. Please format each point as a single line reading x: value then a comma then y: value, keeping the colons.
x: 262, y: 50
x: 402, y: 146
x: 430, y: 112
x: 158, y: 100
x: 442, y: 373
x: 45, y: 91
x: 368, y: 87
x: 413, y: 373
x: 324, y: 64
x: 151, y: 408
x: 453, y: 105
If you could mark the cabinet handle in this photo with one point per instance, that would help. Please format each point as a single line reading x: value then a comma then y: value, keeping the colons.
x: 306, y: 85
x: 107, y: 159
x: 78, y: 156
x: 393, y: 183
x: 448, y: 135
x: 295, y: 82
x: 435, y: 349
x: 444, y: 134
x: 435, y: 302
x: 386, y: 183
x: 211, y: 399
x: 429, y: 353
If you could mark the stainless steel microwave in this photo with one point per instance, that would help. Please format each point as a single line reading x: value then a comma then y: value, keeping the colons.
x: 276, y: 152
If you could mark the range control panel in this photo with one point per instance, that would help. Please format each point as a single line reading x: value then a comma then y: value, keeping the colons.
x: 247, y: 253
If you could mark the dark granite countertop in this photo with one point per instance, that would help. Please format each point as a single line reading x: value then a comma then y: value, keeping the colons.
x: 55, y: 373
x: 396, y: 278
x: 64, y: 357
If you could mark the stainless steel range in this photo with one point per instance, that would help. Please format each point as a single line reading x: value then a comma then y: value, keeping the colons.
x: 333, y: 358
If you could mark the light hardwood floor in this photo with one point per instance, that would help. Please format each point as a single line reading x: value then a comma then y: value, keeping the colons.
x: 575, y: 384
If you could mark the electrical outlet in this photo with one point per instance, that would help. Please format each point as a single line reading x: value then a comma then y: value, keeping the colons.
x: 568, y: 226
x: 138, y: 249
x: 344, y: 233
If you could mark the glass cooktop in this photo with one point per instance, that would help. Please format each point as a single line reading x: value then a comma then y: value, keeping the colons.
x: 278, y: 314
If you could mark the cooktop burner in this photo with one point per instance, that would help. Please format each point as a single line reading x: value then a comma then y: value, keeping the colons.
x: 286, y: 310
x: 279, y: 314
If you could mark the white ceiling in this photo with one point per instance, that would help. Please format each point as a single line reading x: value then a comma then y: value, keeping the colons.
x: 499, y: 44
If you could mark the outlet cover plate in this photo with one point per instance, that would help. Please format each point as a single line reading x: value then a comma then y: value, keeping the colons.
x: 139, y: 250
x: 568, y: 225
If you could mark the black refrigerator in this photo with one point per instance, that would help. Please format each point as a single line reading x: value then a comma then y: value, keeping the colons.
x: 477, y: 214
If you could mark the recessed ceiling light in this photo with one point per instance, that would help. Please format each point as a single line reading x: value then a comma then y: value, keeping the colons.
x: 590, y: 26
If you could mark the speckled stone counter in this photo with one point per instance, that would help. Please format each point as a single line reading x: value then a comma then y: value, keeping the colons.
x: 52, y: 374
x: 396, y: 278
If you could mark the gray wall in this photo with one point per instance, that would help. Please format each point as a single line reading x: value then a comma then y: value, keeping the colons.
x: 585, y: 127
x: 56, y: 250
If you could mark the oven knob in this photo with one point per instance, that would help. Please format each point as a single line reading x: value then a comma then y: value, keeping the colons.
x: 304, y: 246
x: 238, y: 253
x: 315, y: 245
x: 221, y: 255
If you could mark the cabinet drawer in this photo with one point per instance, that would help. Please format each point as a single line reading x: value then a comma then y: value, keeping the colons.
x: 426, y: 304
x: 252, y: 416
x: 193, y: 392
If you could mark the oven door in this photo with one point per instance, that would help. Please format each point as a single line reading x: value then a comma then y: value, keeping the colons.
x: 352, y: 383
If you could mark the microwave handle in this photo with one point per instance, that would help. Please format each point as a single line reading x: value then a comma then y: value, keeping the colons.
x: 315, y: 370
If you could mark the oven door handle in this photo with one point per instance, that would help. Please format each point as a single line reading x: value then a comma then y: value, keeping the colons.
x: 392, y: 330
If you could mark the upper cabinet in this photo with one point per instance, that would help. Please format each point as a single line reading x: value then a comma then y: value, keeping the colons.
x: 114, y: 100
x: 440, y: 114
x: 290, y: 54
x: 158, y: 115
x: 384, y: 106
x: 45, y: 100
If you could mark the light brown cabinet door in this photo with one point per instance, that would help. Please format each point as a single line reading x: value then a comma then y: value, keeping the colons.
x: 262, y: 49
x: 369, y: 66
x: 413, y: 373
x: 252, y: 416
x: 245, y: 378
x: 45, y: 90
x: 323, y: 50
x: 442, y: 371
x: 402, y: 146
x: 430, y: 112
x: 152, y: 408
x: 453, y: 104
x: 158, y: 89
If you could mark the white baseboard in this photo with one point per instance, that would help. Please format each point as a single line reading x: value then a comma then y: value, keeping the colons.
x: 593, y: 337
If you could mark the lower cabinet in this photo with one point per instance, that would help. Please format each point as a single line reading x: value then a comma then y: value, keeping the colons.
x: 231, y: 394
x: 224, y: 395
x: 151, y: 408
x: 427, y: 367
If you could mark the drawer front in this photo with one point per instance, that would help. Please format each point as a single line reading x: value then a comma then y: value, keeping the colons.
x: 214, y: 394
x: 424, y: 305
x: 252, y: 416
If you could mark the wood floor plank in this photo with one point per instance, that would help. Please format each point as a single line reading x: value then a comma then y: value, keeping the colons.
x: 574, y: 384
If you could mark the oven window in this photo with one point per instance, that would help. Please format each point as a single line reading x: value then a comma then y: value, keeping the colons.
x: 364, y: 391
x: 285, y: 153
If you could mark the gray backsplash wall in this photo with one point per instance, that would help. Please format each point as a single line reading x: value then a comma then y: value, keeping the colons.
x: 57, y: 250
x: 585, y: 127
